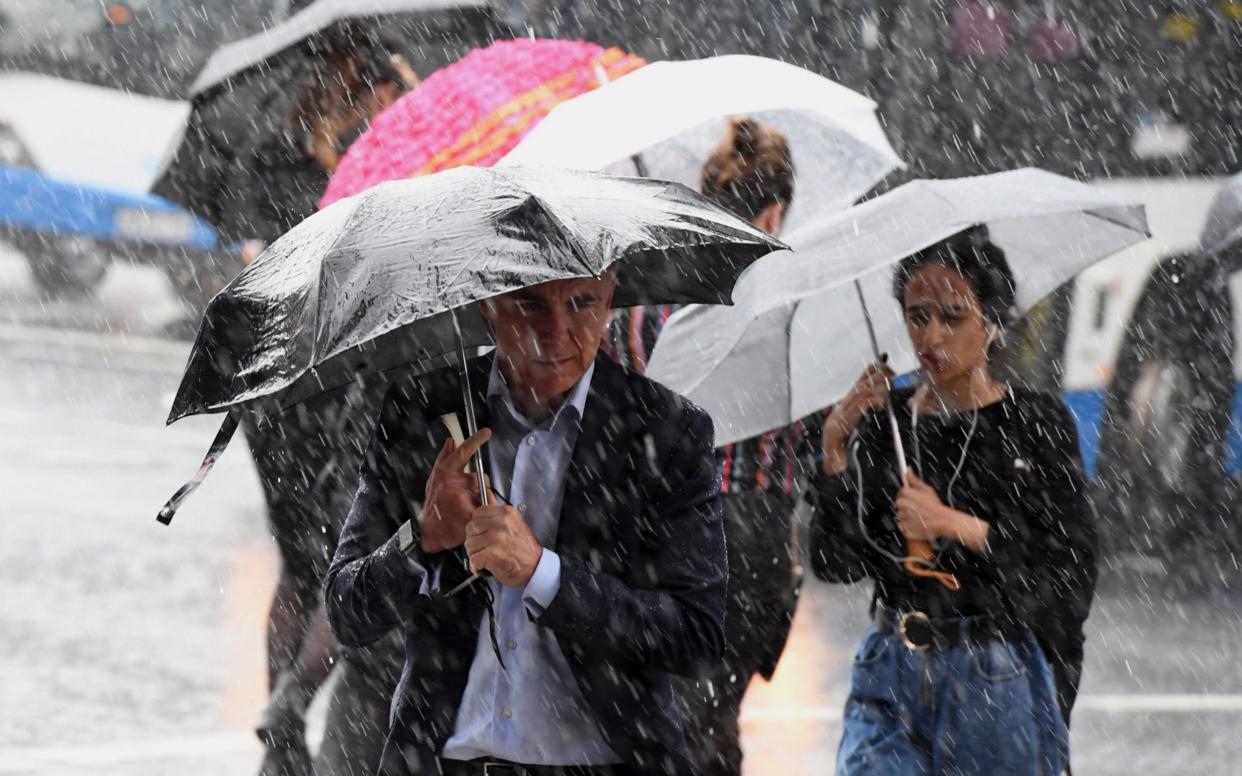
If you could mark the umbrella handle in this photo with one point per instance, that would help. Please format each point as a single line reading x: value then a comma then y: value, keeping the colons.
x: 472, y: 428
x: 467, y: 398
x: 920, y: 555
x: 919, y: 564
x: 227, y: 429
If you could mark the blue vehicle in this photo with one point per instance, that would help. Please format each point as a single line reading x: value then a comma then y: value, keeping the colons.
x: 75, y: 163
x: 69, y: 231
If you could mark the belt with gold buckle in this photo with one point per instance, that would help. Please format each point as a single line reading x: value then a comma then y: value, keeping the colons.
x: 916, y: 631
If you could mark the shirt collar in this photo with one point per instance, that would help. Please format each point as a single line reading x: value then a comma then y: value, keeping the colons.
x: 498, y: 390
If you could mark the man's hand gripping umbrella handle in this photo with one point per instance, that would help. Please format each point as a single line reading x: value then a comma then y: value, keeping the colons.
x: 472, y: 426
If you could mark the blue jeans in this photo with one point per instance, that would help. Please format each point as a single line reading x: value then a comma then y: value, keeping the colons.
x: 992, y: 710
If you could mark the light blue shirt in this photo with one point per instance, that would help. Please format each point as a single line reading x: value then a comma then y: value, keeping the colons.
x: 533, y: 713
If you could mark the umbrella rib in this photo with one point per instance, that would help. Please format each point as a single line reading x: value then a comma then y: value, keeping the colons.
x: 344, y: 229
x: 789, y: 360
x: 564, y: 234
x: 1117, y: 222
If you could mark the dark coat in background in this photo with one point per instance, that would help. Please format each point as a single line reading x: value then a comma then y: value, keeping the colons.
x: 643, y: 570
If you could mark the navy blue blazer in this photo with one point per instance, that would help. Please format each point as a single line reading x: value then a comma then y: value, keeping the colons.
x: 643, y: 571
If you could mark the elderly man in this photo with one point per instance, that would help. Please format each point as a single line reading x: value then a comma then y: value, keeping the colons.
x: 603, y: 541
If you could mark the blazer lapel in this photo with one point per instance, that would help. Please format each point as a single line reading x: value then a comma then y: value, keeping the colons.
x: 604, y: 442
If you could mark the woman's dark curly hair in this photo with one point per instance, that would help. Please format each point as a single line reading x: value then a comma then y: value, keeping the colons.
x: 977, y: 259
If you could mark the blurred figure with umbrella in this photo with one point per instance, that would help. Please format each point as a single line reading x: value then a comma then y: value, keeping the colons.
x: 476, y: 110
x: 307, y: 459
x: 1163, y: 482
x: 256, y: 171
x: 751, y: 173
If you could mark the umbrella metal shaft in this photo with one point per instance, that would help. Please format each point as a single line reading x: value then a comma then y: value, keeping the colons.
x: 467, y: 396
x: 888, y: 400
x: 472, y: 428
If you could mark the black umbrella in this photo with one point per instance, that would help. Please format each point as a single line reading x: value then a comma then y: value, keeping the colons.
x: 243, y: 163
x: 317, y: 18
x: 389, y: 277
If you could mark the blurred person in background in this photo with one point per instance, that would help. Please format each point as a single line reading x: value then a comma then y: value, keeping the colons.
x: 979, y: 679
x: 308, y: 457
x: 750, y: 173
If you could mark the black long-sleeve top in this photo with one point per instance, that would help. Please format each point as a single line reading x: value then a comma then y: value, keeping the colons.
x: 1021, y: 473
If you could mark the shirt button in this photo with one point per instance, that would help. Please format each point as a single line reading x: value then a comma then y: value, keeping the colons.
x: 530, y: 440
x: 522, y: 507
x: 507, y: 712
x: 511, y: 644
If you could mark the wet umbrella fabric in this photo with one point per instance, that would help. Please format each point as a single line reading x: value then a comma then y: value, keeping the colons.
x: 370, y: 283
x: 672, y: 114
x: 243, y: 162
x: 1223, y: 228
x: 239, y: 56
x: 474, y: 111
x: 797, y: 336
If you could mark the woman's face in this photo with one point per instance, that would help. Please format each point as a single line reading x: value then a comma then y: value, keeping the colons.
x: 945, y: 323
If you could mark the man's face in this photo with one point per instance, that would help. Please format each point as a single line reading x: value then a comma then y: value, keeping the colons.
x: 547, y: 335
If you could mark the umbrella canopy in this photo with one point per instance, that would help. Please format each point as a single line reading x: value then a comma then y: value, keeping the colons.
x: 336, y: 298
x: 245, y: 161
x: 1224, y: 221
x: 673, y: 114
x: 797, y: 337
x: 241, y: 55
x: 474, y: 111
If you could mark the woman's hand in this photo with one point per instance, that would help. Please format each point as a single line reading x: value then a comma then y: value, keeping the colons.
x: 869, y: 393
x: 922, y: 516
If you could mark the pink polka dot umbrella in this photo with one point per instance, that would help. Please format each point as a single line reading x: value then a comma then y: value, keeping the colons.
x: 474, y: 111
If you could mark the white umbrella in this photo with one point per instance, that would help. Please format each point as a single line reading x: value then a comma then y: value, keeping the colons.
x: 797, y: 337
x: 671, y: 115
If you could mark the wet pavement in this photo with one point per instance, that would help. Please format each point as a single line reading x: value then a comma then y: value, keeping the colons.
x: 133, y: 648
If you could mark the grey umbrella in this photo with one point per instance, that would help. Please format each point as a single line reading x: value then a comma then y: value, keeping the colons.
x: 1224, y: 222
x: 389, y: 277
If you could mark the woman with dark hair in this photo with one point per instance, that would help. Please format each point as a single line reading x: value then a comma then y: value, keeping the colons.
x: 971, y: 664
x: 750, y: 173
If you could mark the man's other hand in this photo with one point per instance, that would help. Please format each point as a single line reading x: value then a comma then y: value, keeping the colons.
x: 499, y: 540
x: 451, y: 496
